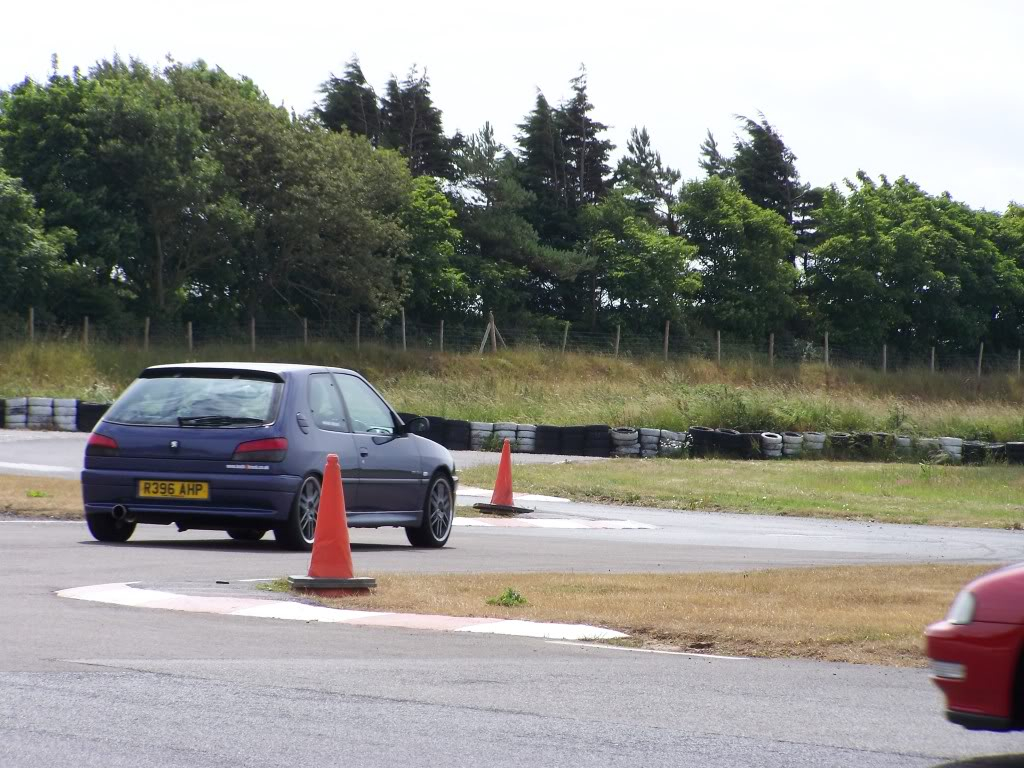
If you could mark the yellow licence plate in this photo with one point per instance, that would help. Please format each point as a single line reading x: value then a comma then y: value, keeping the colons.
x: 173, y: 489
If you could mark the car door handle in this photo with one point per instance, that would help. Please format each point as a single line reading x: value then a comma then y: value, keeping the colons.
x: 363, y: 452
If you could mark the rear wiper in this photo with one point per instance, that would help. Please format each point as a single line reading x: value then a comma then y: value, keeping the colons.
x: 216, y: 421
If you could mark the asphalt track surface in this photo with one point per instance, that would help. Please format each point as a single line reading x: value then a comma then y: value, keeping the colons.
x: 87, y: 684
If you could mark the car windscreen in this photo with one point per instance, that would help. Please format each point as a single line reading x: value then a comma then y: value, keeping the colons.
x: 198, y: 400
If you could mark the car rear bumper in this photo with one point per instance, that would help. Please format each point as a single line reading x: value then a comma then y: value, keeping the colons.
x: 974, y: 665
x: 232, y: 497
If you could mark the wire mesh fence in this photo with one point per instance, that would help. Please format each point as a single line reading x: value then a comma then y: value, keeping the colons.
x: 669, y: 343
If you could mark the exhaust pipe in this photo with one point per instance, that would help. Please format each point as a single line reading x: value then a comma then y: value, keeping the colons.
x: 122, y: 515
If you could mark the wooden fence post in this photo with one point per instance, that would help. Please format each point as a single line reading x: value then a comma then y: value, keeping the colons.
x: 826, y: 349
x: 771, y: 349
x: 618, y: 335
x: 403, y: 329
x: 252, y: 334
x: 188, y: 335
x: 31, y: 324
x: 305, y: 332
x: 494, y: 335
x: 487, y: 332
x: 442, y: 335
x: 932, y: 368
x: 85, y: 332
x: 667, y: 325
x: 981, y: 353
x: 565, y: 336
x: 145, y: 336
x: 718, y: 348
x: 885, y: 358
x: 1018, y: 363
x: 359, y: 319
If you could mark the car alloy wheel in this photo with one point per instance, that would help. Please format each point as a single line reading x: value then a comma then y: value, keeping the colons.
x: 308, y: 504
x: 440, y: 509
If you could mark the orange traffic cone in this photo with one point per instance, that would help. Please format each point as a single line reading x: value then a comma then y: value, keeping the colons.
x: 501, y: 500
x: 330, y: 567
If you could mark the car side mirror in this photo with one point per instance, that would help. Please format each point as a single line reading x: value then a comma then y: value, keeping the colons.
x: 418, y: 425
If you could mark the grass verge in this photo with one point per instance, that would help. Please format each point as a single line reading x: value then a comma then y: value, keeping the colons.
x: 46, y: 497
x: 526, y: 385
x: 859, y: 614
x: 988, y: 496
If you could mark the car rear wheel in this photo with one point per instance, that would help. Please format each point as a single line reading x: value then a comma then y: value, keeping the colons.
x: 245, y: 534
x: 438, y: 512
x: 298, y: 532
x: 104, y: 527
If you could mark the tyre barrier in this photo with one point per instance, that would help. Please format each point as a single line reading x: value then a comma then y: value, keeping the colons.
x: 974, y: 452
x: 436, y: 430
x: 671, y: 444
x: 814, y: 442
x: 904, y: 445
x: 792, y: 444
x: 548, y: 439
x: 480, y: 434
x: 625, y: 436
x: 16, y: 413
x: 597, y: 441
x: 926, y: 446
x: 573, y: 441
x: 703, y: 441
x: 456, y: 435
x: 771, y: 445
x: 89, y: 415
x: 952, y: 447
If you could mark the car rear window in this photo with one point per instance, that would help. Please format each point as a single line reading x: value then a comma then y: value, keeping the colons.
x: 197, y: 399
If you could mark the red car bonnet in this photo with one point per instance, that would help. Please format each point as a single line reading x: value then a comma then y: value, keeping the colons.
x: 1000, y: 595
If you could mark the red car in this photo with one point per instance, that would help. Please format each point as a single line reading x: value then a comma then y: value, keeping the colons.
x: 976, y: 653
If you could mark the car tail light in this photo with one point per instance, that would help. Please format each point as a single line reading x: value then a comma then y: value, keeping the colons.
x: 101, y: 445
x: 269, y: 449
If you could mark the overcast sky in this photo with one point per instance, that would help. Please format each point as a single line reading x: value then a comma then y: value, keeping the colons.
x: 933, y: 90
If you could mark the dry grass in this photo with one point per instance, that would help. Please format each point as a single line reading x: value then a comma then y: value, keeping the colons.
x: 540, y: 386
x: 859, y: 614
x: 40, y: 497
x: 894, y: 493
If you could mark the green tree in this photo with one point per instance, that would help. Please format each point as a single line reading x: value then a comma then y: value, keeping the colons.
x: 653, y: 184
x: 586, y: 152
x: 642, y: 276
x: 411, y: 124
x: 743, y: 249
x: 350, y: 103
x: 711, y: 159
x: 31, y: 259
x: 900, y: 266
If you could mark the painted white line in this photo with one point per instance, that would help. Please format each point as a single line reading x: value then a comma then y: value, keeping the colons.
x: 543, y: 630
x: 125, y: 594
x: 484, y: 493
x: 559, y: 523
x: 43, y: 520
x: 41, y: 468
x: 250, y: 581
x: 648, y: 650
x: 283, y: 609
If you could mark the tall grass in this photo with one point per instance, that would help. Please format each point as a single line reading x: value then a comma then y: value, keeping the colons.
x: 534, y: 385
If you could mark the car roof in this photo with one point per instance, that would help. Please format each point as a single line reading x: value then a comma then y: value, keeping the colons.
x: 274, y: 368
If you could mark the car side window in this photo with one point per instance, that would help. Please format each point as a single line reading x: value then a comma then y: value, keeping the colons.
x: 368, y: 412
x: 325, y: 403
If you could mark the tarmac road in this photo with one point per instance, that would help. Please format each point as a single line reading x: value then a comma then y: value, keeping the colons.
x: 87, y: 684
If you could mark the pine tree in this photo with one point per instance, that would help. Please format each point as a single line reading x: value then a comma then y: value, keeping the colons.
x: 350, y: 102
x: 412, y: 124
x: 712, y: 161
x: 586, y: 154
x: 653, y: 184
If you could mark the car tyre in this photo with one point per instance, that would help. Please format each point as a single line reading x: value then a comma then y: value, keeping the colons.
x: 297, y: 533
x: 105, y: 528
x: 438, y: 515
x: 246, y: 534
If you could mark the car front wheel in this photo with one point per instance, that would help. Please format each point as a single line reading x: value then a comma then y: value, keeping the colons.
x: 438, y: 513
x: 245, y: 534
x: 105, y: 528
x: 298, y: 532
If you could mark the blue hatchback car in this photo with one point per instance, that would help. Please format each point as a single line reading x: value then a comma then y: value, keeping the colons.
x: 240, y: 447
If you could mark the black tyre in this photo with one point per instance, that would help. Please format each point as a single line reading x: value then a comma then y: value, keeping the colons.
x: 104, y: 527
x: 245, y: 534
x: 438, y: 514
x: 298, y: 532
